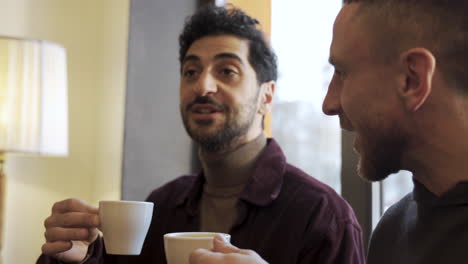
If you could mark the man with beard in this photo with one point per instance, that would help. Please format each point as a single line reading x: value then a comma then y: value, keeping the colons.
x: 400, y: 84
x: 246, y: 188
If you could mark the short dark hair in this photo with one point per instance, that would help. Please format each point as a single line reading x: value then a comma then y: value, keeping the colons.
x: 212, y: 21
x: 441, y: 26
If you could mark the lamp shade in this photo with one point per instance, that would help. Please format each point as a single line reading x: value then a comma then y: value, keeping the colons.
x: 33, y: 97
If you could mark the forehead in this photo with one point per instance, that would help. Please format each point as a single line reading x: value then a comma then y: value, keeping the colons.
x: 350, y: 36
x: 210, y: 46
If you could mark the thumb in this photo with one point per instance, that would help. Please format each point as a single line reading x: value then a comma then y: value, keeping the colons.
x: 222, y: 246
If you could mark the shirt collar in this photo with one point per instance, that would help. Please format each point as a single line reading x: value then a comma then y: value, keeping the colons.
x: 267, y: 179
x: 458, y: 195
x: 262, y: 188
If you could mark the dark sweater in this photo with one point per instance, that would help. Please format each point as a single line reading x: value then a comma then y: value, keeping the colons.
x: 423, y: 229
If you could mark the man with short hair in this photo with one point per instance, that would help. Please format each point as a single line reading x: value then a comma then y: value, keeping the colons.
x: 400, y: 85
x: 246, y: 187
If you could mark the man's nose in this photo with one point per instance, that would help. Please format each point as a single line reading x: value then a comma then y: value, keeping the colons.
x: 331, y: 104
x: 206, y: 84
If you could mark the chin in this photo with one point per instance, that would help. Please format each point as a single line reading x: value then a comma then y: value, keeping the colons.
x: 212, y: 129
x: 371, y: 172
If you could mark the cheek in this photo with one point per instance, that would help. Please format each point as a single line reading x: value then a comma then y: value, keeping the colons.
x: 363, y: 117
x: 361, y: 100
x: 353, y: 103
x: 185, y: 96
x: 229, y: 98
x: 182, y: 93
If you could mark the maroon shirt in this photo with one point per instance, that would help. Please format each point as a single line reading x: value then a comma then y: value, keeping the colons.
x: 285, y: 215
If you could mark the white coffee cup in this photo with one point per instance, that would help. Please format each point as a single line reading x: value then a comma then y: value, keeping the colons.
x: 179, y: 246
x: 124, y: 225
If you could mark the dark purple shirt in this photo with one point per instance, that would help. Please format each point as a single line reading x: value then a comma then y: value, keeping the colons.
x: 285, y: 215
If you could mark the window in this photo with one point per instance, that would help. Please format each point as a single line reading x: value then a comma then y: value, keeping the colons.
x: 395, y: 187
x: 301, y: 34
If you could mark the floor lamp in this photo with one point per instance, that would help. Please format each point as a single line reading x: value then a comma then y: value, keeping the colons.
x: 33, y: 104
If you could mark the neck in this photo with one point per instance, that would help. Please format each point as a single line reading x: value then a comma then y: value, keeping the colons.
x: 441, y: 175
x: 439, y: 159
x: 232, y: 168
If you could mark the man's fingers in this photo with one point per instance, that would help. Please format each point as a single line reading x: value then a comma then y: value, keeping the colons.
x: 225, y: 252
x: 93, y: 234
x: 222, y: 246
x: 74, y: 219
x: 53, y: 248
x: 66, y: 234
x: 73, y: 205
x: 204, y: 256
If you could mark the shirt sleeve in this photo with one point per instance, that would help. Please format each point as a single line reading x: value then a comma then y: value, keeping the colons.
x: 95, y: 255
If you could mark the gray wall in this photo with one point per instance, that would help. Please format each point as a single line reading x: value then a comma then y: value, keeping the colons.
x: 156, y: 147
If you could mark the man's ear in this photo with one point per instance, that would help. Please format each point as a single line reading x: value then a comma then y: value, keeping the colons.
x: 419, y: 66
x: 267, y: 90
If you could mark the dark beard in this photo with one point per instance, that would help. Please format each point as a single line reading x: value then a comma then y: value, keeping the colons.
x: 228, y: 135
x: 225, y: 137
x: 383, y: 157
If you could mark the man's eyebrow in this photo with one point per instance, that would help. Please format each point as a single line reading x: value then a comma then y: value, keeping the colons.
x: 228, y: 55
x: 220, y: 56
x: 192, y: 58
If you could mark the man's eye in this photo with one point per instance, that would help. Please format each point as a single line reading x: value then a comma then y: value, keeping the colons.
x: 228, y: 71
x: 189, y: 73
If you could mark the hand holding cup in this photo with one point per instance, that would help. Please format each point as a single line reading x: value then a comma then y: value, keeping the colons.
x: 70, y: 229
x: 179, y: 246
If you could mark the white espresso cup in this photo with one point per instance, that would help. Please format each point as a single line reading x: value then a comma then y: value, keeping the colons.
x: 124, y: 225
x: 179, y: 246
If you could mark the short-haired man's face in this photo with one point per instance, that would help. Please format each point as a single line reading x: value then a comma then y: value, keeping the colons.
x: 219, y: 93
x: 363, y: 94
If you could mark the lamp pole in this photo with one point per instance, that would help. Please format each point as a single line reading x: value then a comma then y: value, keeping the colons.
x: 2, y: 201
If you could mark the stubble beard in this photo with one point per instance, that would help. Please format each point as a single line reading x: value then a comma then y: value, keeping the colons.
x: 381, y: 156
x: 226, y: 135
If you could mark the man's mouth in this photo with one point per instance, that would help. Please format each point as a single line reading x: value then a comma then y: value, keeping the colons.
x: 357, y: 144
x: 345, y: 123
x: 205, y: 111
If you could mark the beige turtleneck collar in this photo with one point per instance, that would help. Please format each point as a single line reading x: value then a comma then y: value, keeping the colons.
x: 232, y: 168
x: 226, y: 176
